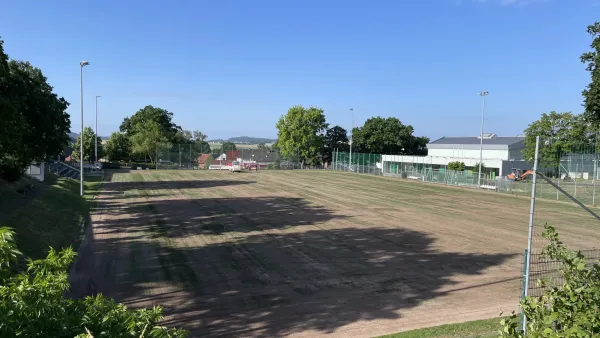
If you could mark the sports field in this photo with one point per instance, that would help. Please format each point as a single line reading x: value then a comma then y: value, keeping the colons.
x: 307, y: 253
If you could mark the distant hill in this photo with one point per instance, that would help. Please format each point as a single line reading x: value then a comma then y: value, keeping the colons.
x: 244, y: 140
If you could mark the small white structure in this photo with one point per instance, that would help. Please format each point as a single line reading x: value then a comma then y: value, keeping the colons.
x: 36, y: 171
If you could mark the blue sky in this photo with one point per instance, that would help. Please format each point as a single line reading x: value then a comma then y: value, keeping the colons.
x: 233, y: 67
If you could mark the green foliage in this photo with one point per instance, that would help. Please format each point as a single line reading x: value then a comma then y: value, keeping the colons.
x: 388, y: 136
x: 161, y: 117
x: 591, y: 94
x: 559, y: 133
x: 196, y: 139
x: 301, y: 134
x: 146, y: 137
x: 88, y: 146
x: 209, y: 160
x: 118, y: 147
x: 33, y: 302
x: 569, y: 310
x: 228, y: 146
x: 456, y: 165
x: 335, y: 138
x: 35, y: 123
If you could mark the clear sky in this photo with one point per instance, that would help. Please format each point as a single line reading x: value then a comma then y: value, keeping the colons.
x: 233, y: 67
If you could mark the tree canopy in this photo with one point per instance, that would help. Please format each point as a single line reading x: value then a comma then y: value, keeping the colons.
x: 388, y: 136
x: 228, y: 146
x: 591, y: 94
x: 162, y: 117
x: 301, y: 133
x: 34, y: 119
x: 145, y: 139
x: 196, y: 139
x: 118, y: 147
x: 561, y: 133
x: 335, y: 138
x: 88, y: 146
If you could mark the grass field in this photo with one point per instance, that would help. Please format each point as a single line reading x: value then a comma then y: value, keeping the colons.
x: 307, y: 253
x: 50, y: 215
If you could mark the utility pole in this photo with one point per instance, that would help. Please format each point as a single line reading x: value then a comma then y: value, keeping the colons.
x: 483, y: 94
x: 96, y: 140
x: 351, y: 127
x: 81, y: 64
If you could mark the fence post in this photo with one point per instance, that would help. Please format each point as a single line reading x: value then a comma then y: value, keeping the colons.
x: 523, y: 286
x: 531, y: 218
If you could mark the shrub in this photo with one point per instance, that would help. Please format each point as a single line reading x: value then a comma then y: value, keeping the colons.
x: 569, y: 310
x: 11, y: 173
x: 456, y: 165
x: 33, y: 302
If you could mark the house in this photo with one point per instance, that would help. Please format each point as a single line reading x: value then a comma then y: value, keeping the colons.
x: 499, y: 154
x: 204, y: 159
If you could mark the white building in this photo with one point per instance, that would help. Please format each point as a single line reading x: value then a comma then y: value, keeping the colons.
x: 500, y: 154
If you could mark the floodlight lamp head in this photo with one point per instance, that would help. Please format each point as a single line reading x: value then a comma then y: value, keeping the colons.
x: 84, y: 63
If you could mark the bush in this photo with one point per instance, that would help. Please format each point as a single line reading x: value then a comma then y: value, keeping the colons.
x: 11, y: 173
x: 33, y: 302
x: 570, y: 310
x: 456, y: 165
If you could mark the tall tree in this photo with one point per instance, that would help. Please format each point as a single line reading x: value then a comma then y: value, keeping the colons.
x: 88, y: 146
x: 387, y: 136
x: 335, y: 138
x: 146, y: 138
x: 118, y: 147
x: 34, y: 119
x: 199, y: 136
x: 301, y: 133
x: 560, y: 134
x: 162, y: 117
x: 591, y: 94
x: 195, y: 139
x: 227, y: 146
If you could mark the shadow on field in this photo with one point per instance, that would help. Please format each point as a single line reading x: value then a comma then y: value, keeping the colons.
x: 158, y: 185
x: 265, y: 266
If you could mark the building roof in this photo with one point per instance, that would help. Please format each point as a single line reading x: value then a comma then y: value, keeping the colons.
x: 202, y: 158
x: 506, y: 141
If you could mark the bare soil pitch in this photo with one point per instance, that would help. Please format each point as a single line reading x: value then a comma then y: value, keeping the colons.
x: 307, y: 253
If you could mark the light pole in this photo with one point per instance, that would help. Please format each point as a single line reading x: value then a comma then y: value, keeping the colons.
x: 96, y: 140
x: 483, y: 95
x: 351, y: 127
x: 82, y: 64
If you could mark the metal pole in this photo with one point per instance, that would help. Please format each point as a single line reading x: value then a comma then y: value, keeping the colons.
x: 595, y: 171
x: 351, y: 127
x: 483, y: 94
x: 81, y: 64
x: 96, y: 136
x: 530, y: 235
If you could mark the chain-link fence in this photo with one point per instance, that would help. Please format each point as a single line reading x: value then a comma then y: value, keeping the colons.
x: 361, y: 163
x: 197, y: 156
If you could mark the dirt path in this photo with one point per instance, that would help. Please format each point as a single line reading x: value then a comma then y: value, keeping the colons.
x: 304, y: 254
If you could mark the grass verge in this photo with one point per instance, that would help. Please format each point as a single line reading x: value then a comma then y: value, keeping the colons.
x: 49, y: 215
x: 486, y: 328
